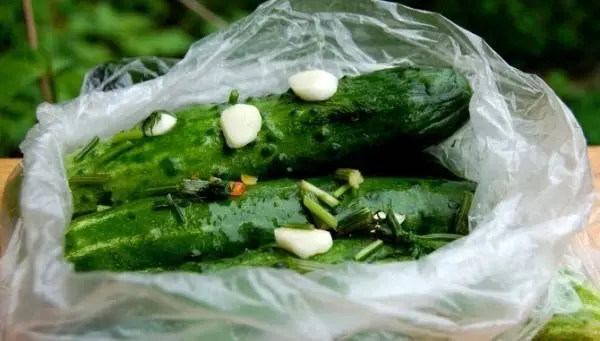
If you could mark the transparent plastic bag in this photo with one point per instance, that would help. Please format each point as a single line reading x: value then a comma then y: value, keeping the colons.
x: 125, y: 73
x: 522, y: 145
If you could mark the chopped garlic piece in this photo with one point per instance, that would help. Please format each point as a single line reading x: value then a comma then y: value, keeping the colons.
x: 163, y: 125
x: 400, y: 217
x: 314, y: 85
x: 303, y: 243
x: 240, y: 124
x: 380, y: 215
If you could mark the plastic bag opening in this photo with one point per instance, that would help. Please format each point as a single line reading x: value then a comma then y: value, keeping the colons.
x: 522, y: 146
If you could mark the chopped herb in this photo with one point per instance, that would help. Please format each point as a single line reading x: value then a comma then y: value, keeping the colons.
x: 298, y: 226
x: 193, y: 186
x: 133, y: 134
x: 202, y: 190
x: 439, y: 236
x: 100, y: 208
x: 161, y: 190
x: 424, y: 244
x: 395, y: 222
x: 234, y: 97
x: 368, y: 250
x: 352, y: 176
x: 116, y: 151
x: 379, y: 216
x: 161, y: 204
x: 303, y: 265
x: 214, y: 180
x: 358, y: 219
x: 321, y: 194
x: 96, y: 179
x: 192, y: 191
x: 341, y: 190
x: 462, y: 218
x: 177, y: 209
x: 88, y: 148
x: 319, y: 223
x: 318, y: 211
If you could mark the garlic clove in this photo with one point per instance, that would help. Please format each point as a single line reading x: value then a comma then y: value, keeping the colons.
x: 163, y: 125
x: 303, y: 243
x: 240, y: 124
x: 313, y: 85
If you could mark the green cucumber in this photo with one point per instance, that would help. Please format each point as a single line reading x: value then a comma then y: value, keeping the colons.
x: 343, y: 250
x: 392, y: 112
x: 582, y: 325
x: 134, y: 236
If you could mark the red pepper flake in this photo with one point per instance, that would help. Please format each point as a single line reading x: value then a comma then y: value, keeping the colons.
x: 236, y: 188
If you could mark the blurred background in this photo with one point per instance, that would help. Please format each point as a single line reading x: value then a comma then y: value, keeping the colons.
x: 556, y: 39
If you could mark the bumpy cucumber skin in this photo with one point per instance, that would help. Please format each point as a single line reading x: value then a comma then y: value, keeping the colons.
x: 133, y: 236
x: 583, y: 325
x: 343, y: 250
x: 395, y: 110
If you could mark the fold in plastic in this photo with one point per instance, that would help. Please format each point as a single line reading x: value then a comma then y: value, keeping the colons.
x: 522, y: 145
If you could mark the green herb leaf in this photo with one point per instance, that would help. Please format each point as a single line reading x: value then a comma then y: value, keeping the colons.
x: 319, y: 211
x: 395, y: 224
x: 100, y: 208
x: 462, y: 218
x: 360, y: 219
x: 234, y: 97
x: 321, y: 194
x: 202, y: 190
x: 352, y: 176
x: 341, y: 190
x: 88, y: 148
x: 116, y: 151
x: 368, y: 250
x: 160, y: 190
x: 299, y: 226
x: 439, y: 236
x: 178, y: 210
x: 129, y: 135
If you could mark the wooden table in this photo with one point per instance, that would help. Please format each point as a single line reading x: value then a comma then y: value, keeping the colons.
x: 594, y: 154
x: 7, y: 165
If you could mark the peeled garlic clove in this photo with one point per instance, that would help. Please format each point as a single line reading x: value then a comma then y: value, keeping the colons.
x: 163, y: 125
x: 303, y: 243
x: 240, y: 124
x: 313, y: 85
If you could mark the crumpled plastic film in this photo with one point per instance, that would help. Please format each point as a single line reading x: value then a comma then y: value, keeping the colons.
x: 126, y: 72
x: 522, y: 145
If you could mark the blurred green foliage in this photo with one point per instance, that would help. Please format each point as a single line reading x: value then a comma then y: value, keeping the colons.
x: 556, y: 39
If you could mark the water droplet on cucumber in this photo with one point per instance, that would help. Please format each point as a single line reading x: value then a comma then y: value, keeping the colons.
x: 296, y: 112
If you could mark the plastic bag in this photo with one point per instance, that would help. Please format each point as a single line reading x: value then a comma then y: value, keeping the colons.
x: 124, y: 73
x: 522, y: 145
